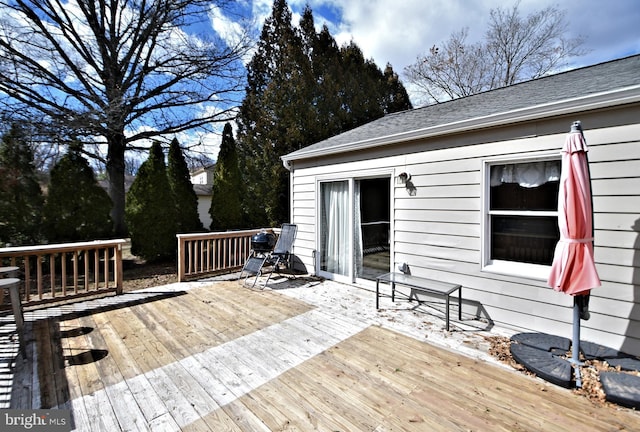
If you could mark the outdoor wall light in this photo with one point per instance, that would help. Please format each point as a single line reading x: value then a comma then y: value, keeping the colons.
x: 404, y: 268
x: 403, y: 178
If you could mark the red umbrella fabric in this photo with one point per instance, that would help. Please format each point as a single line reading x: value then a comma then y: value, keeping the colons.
x: 573, y: 270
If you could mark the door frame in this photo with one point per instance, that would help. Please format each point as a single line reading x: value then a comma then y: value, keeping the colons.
x: 351, y: 177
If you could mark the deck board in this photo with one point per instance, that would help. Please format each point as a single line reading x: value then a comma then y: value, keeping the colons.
x: 224, y: 357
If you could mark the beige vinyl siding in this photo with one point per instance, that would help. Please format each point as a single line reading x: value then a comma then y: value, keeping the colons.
x: 615, y: 169
x: 304, y: 215
x: 438, y: 231
x: 204, y: 204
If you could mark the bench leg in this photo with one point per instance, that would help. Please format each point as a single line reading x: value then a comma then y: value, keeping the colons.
x: 377, y: 294
x: 460, y: 303
x: 447, y: 311
x: 16, y: 305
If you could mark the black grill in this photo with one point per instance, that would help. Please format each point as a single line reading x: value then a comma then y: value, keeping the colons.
x: 263, y: 242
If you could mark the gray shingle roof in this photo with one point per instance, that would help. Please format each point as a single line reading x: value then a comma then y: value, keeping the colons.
x: 577, y: 83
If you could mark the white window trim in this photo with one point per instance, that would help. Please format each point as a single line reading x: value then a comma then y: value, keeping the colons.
x: 508, y: 268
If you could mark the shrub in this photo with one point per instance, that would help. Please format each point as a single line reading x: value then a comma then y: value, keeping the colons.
x: 150, y: 210
x: 76, y: 207
x: 185, y: 198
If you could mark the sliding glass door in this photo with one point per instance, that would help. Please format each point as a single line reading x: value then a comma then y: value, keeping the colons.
x: 335, y: 228
x: 354, y: 228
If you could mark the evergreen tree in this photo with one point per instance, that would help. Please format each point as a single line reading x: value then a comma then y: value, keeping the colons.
x: 324, y: 55
x: 184, y: 196
x: 20, y: 194
x: 76, y: 207
x: 361, y: 88
x: 226, y: 205
x: 348, y: 89
x: 150, y: 210
x: 301, y: 89
x: 274, y: 116
x: 396, y: 97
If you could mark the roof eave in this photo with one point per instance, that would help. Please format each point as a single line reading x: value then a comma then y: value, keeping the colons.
x: 568, y: 106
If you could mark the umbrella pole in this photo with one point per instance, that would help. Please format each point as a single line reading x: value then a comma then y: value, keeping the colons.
x: 575, y: 346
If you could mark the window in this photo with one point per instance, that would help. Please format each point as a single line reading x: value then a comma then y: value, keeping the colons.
x: 521, y: 225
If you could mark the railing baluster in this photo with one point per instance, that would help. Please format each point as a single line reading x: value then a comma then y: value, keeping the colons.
x: 63, y: 273
x: 86, y: 270
x: 196, y: 256
x: 39, y: 275
x: 210, y: 265
x: 96, y: 269
x: 52, y: 274
x: 75, y: 271
x: 27, y: 278
x: 106, y: 267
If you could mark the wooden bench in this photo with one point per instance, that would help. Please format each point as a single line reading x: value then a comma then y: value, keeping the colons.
x: 420, y: 285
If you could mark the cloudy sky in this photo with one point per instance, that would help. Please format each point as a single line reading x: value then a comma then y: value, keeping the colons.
x: 397, y: 31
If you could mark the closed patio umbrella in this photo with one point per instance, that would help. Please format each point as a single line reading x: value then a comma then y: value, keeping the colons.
x: 573, y: 270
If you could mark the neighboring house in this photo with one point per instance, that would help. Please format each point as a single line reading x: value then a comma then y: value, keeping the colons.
x: 466, y: 192
x: 202, y: 180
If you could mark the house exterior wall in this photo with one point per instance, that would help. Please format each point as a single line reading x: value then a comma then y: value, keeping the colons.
x: 204, y: 204
x: 204, y: 177
x: 202, y: 181
x: 438, y: 231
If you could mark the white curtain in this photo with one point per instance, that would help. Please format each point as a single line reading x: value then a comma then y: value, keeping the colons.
x: 357, y: 228
x: 528, y: 175
x: 335, y: 233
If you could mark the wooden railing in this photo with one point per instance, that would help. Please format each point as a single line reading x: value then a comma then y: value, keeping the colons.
x: 58, y: 272
x: 204, y: 254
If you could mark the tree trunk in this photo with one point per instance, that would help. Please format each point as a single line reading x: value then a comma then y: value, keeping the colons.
x: 115, y: 175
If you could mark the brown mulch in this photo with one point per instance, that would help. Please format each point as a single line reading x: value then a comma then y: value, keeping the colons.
x: 591, y: 386
x: 139, y: 274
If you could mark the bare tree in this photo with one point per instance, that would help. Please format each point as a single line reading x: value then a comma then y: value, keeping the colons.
x: 117, y: 72
x: 515, y: 49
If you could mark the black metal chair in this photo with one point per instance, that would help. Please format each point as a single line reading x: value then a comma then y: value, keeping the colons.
x: 280, y: 255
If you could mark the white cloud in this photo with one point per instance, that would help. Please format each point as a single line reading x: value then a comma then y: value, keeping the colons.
x: 398, y: 31
x: 231, y: 31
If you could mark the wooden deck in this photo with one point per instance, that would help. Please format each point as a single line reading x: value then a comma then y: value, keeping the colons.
x: 217, y: 356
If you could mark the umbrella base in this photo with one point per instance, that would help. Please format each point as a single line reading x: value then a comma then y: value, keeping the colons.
x: 540, y: 353
x: 544, y: 364
x: 621, y: 388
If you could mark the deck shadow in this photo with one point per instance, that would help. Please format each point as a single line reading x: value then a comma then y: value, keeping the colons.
x: 44, y: 342
x: 85, y: 357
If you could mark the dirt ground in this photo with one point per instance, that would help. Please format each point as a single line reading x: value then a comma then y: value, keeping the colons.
x: 138, y: 274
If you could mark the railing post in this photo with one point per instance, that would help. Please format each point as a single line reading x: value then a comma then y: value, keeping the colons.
x: 117, y: 268
x: 181, y: 258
